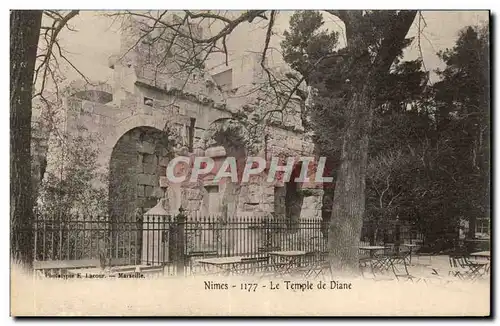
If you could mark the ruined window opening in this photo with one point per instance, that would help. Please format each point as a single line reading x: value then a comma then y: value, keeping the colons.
x: 148, y: 101
x: 191, y: 134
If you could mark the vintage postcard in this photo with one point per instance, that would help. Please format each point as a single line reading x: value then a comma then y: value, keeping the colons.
x: 250, y: 163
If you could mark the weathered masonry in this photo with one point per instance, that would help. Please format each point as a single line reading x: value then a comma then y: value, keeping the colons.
x: 143, y: 119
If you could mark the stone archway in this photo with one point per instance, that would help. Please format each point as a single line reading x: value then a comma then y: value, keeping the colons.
x: 293, y: 199
x: 138, y: 159
x: 288, y: 200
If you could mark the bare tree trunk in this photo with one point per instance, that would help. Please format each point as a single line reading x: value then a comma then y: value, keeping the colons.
x: 349, y: 199
x: 24, y: 34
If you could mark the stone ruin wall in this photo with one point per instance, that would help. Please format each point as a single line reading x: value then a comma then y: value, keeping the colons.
x: 135, y: 161
x: 118, y: 126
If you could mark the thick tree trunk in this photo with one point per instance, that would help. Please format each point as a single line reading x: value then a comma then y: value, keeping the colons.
x: 349, y: 199
x: 24, y: 33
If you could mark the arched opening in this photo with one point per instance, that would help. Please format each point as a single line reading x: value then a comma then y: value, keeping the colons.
x: 293, y: 199
x: 138, y: 160
x: 288, y: 200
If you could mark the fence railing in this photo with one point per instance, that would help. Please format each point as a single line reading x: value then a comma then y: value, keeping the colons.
x: 58, y: 239
x: 157, y: 239
x: 181, y: 240
x: 250, y: 235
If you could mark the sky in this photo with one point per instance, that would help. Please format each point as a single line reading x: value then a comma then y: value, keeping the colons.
x: 98, y: 37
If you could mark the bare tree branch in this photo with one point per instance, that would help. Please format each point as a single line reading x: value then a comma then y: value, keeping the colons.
x: 226, y: 30
x: 58, y: 24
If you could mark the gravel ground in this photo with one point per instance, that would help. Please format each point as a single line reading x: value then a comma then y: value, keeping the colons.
x: 207, y: 296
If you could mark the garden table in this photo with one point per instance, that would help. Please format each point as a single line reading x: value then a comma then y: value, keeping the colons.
x: 287, y: 260
x: 226, y: 265
x: 372, y: 249
x: 484, y: 254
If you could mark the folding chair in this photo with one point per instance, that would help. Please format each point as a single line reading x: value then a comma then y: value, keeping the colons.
x: 399, y: 264
x: 252, y: 264
x: 381, y: 264
x: 457, y: 265
x: 464, y: 269
x: 402, y: 257
x: 317, y: 268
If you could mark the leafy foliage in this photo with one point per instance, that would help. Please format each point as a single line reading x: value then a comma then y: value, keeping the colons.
x: 76, y: 186
x: 443, y: 175
x: 429, y: 150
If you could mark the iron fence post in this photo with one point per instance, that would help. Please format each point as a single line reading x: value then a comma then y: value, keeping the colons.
x: 139, y: 219
x: 179, y: 255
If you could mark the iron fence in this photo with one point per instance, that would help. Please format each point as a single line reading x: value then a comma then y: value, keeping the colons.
x: 155, y: 239
x: 86, y: 238
x: 250, y: 235
x: 180, y: 242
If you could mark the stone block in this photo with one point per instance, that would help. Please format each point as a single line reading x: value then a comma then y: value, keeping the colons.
x: 140, y: 191
x: 217, y: 151
x: 294, y: 144
x: 147, y: 179
x: 146, y: 109
x: 199, y: 133
x: 146, y: 148
x: 193, y: 205
x: 163, y: 161
x: 267, y: 207
x: 254, y: 194
x: 192, y: 194
x: 149, y: 158
x: 161, y: 170
x: 165, y: 152
x: 251, y: 207
x: 140, y: 166
x: 310, y: 214
x: 149, y: 169
x: 148, y: 191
